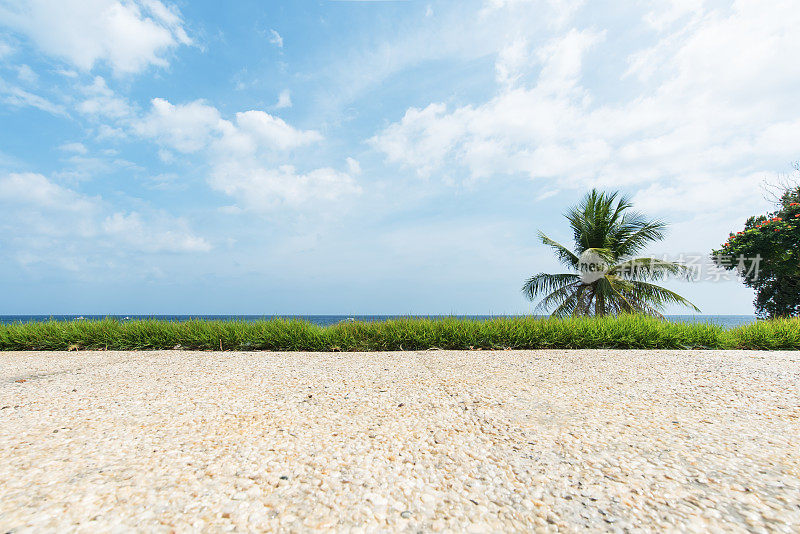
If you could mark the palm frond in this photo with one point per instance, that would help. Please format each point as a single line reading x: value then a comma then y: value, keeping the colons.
x: 558, y: 297
x: 583, y: 300
x: 591, y: 220
x: 546, y: 283
x: 658, y: 296
x: 619, y: 288
x: 567, y: 307
x: 649, y: 269
x: 635, y: 235
x: 564, y: 255
x: 623, y: 205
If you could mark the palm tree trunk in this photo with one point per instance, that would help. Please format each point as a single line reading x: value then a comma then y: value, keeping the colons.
x: 600, y: 305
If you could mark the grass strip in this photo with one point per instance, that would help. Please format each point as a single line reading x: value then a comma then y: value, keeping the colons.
x: 624, y: 332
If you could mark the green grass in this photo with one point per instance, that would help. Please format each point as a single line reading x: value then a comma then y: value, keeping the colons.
x: 626, y: 332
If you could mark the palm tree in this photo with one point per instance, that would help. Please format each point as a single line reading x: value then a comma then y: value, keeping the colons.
x: 607, y: 278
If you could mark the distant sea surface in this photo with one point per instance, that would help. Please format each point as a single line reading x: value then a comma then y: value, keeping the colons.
x: 326, y: 320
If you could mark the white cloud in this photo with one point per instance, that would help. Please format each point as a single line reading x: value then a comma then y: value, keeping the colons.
x: 128, y: 36
x: 275, y: 38
x: 169, y: 16
x: 165, y: 234
x: 19, y: 97
x: 26, y: 74
x: 501, y: 135
x: 106, y: 132
x: 244, y: 155
x: 102, y: 102
x: 456, y: 35
x: 666, y: 14
x: 263, y: 189
x: 423, y: 138
x: 272, y: 131
x: 78, y: 148
x: 80, y: 167
x: 559, y: 12
x: 511, y: 61
x: 67, y: 73
x: 284, y: 100
x: 44, y: 222
x: 50, y: 223
x: 562, y: 60
x: 166, y: 156
x: 678, y: 196
x: 196, y: 126
x: 5, y: 49
x: 710, y: 107
x: 185, y: 128
x: 34, y: 190
x: 353, y: 167
x: 544, y: 195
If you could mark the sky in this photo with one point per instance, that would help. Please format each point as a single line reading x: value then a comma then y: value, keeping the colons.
x: 372, y: 157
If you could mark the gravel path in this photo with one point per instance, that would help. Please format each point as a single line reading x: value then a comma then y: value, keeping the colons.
x: 415, y: 441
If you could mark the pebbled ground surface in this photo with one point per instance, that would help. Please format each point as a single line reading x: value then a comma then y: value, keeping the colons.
x: 414, y: 441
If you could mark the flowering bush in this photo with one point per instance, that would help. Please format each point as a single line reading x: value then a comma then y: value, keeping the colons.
x: 767, y: 255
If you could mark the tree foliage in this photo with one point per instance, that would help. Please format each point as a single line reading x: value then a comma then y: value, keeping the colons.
x: 767, y: 255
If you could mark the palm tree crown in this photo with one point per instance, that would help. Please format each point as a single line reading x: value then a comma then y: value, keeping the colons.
x: 605, y: 228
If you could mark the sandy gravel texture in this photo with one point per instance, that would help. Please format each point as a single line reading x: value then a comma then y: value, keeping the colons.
x: 412, y: 441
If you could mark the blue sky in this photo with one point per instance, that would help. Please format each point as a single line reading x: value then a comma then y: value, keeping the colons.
x: 371, y: 157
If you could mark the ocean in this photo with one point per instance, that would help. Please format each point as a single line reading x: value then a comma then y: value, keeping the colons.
x: 727, y: 321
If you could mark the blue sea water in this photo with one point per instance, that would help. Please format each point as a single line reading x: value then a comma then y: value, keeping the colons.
x: 727, y: 321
